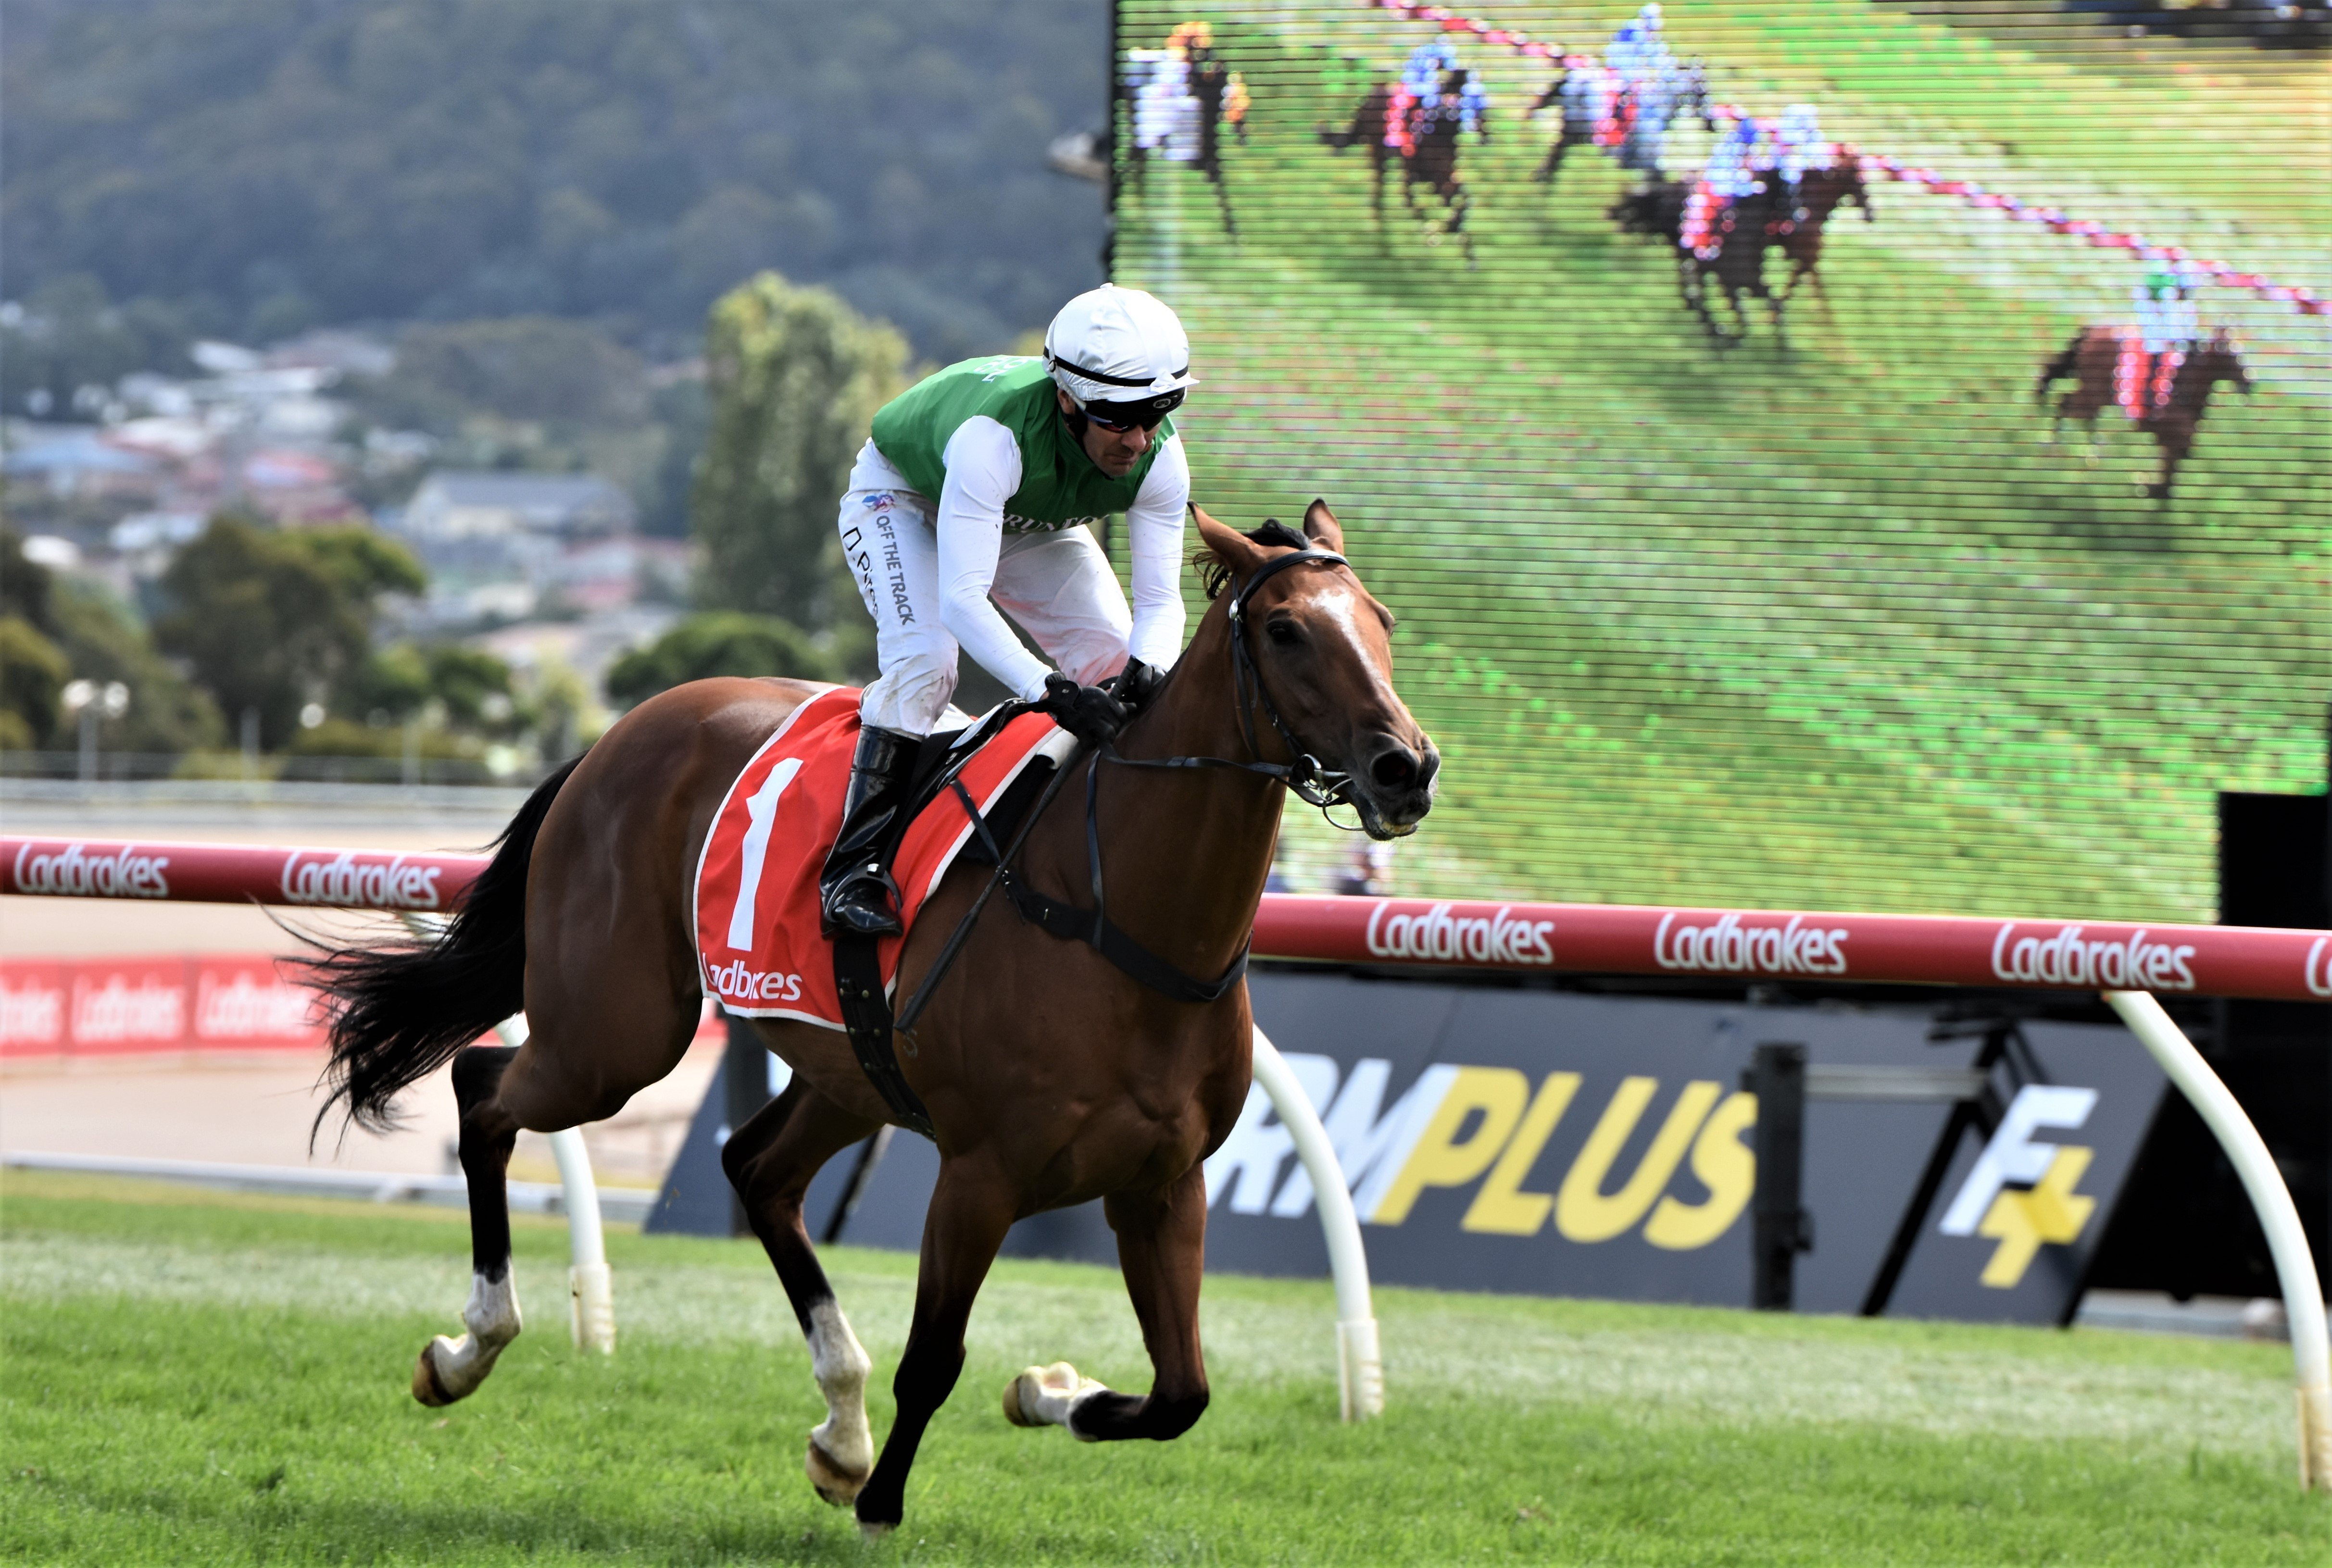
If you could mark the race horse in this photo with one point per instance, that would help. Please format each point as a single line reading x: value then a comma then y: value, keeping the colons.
x: 1820, y: 193
x: 1741, y: 232
x: 1403, y: 131
x: 1185, y: 126
x: 1630, y: 122
x: 1050, y: 1076
x: 2096, y: 362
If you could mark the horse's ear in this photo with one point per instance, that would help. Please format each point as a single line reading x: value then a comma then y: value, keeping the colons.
x: 1320, y: 527
x: 1234, y: 549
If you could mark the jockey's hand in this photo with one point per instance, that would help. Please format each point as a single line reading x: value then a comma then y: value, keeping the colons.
x: 1087, y: 712
x: 1135, y: 685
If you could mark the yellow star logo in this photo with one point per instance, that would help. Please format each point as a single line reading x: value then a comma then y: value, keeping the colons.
x: 2051, y: 1211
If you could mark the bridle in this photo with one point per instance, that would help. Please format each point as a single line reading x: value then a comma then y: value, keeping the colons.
x: 1303, y: 773
x: 1313, y: 783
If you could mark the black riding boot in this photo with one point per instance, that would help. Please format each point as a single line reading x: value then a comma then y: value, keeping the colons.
x: 855, y: 896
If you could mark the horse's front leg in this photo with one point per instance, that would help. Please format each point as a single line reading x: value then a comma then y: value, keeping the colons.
x: 971, y: 1208
x: 770, y: 1161
x: 1162, y: 1244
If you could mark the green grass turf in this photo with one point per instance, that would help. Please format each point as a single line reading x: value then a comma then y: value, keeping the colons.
x: 196, y: 1378
x: 1833, y: 627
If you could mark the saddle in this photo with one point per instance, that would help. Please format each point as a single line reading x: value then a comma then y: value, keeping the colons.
x: 755, y: 893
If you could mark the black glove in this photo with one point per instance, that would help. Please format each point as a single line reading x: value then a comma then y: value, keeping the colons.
x: 1087, y: 712
x: 1135, y: 685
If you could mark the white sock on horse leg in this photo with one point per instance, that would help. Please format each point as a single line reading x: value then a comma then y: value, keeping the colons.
x: 841, y: 1365
x: 492, y: 1316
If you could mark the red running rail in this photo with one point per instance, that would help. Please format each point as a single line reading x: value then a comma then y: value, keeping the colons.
x: 2239, y: 961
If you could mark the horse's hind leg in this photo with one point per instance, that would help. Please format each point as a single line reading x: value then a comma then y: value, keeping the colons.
x: 770, y: 1161
x: 449, y: 1368
x: 1161, y: 1249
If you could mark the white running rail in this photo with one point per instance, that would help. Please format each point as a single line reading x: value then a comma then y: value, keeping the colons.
x: 2295, y: 1267
x: 1360, y: 1365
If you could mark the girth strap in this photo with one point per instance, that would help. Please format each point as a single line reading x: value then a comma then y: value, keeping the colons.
x: 867, y: 1020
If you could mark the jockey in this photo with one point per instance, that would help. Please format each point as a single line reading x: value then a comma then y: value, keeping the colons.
x: 1638, y: 50
x: 2165, y: 311
x: 1734, y: 165
x: 1798, y: 149
x: 2167, y: 326
x: 981, y: 479
x: 1428, y: 62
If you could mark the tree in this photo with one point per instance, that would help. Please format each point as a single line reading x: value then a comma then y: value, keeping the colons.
x: 275, y: 160
x: 32, y: 674
x: 273, y: 621
x: 795, y: 376
x: 718, y: 642
x: 97, y: 641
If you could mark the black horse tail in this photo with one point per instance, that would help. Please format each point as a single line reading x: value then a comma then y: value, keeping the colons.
x: 2058, y: 369
x: 402, y: 1009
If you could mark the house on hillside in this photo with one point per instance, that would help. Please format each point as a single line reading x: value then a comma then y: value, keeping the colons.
x: 452, y: 506
x: 497, y: 544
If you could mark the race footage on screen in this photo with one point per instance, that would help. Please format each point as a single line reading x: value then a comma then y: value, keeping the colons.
x: 1821, y: 454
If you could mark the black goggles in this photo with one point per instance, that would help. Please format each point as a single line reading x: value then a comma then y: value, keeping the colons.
x: 1146, y: 414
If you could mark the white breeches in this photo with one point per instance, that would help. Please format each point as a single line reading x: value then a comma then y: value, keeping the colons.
x: 1058, y: 586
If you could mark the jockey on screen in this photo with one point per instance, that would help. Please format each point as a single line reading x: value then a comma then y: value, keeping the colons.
x: 1733, y: 167
x: 981, y: 479
x: 2168, y: 325
x: 1798, y: 149
x: 1640, y: 51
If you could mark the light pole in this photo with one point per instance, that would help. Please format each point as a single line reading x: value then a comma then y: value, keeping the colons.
x: 94, y: 701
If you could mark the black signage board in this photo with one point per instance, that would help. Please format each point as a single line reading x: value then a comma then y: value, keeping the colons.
x: 1543, y: 1142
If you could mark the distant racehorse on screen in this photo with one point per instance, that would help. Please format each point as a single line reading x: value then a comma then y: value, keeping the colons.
x: 1822, y: 193
x: 1050, y: 1076
x: 1420, y: 140
x: 1739, y: 236
x: 2107, y: 366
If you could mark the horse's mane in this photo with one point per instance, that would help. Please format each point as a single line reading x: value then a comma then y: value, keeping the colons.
x: 1213, y: 575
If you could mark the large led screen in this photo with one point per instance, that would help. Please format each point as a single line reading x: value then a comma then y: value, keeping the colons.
x: 1832, y: 454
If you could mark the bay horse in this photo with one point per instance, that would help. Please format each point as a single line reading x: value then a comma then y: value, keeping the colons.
x: 2092, y: 361
x: 1430, y: 159
x: 1820, y: 193
x: 1742, y: 231
x: 1050, y: 1076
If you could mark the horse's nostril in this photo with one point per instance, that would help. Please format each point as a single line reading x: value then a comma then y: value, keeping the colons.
x: 1395, y: 769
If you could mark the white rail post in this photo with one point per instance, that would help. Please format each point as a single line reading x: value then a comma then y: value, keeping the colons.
x: 1360, y: 1365
x: 2295, y: 1265
x: 591, y: 1288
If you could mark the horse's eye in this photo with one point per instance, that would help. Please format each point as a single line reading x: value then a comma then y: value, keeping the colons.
x: 1283, y: 633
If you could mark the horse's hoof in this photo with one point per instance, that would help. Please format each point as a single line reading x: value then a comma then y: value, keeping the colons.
x: 427, y: 1386
x: 832, y: 1482
x: 870, y: 1531
x: 1015, y: 1410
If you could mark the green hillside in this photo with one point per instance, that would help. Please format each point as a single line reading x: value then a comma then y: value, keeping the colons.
x: 1829, y: 625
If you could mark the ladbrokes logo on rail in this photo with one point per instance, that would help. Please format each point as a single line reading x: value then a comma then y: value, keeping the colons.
x: 1731, y: 945
x: 2130, y: 962
x: 72, y: 872
x: 1494, y: 938
x: 310, y: 877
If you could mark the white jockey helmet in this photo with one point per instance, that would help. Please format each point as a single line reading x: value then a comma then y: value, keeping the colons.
x: 1119, y: 346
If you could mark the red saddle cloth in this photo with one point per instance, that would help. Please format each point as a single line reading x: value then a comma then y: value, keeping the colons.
x: 757, y: 947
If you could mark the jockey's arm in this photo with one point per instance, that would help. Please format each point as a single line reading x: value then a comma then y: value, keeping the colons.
x: 1153, y: 532
x: 983, y: 470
